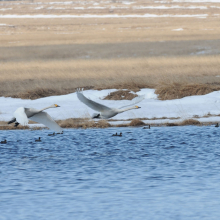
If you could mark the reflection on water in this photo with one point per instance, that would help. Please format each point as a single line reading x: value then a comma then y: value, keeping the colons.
x: 161, y: 173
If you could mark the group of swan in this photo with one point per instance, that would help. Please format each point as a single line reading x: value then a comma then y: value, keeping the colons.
x: 21, y: 115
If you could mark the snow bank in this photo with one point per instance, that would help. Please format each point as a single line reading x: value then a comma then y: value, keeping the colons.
x: 151, y: 107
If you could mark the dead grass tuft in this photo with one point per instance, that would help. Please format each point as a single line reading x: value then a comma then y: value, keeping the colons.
x: 190, y: 122
x: 120, y: 95
x: 36, y: 93
x: 102, y: 124
x: 136, y: 122
x: 177, y: 91
x: 171, y: 124
x: 83, y: 123
x: 122, y: 125
x: 128, y: 84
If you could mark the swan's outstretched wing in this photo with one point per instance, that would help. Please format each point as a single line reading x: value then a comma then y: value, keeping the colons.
x: 134, y: 101
x: 94, y: 105
x: 21, y: 116
x: 44, y: 118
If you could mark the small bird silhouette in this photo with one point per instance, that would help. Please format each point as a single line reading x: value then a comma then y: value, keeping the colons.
x: 119, y: 135
x: 217, y: 125
x: 38, y: 140
x: 4, y: 142
x: 147, y: 127
x: 51, y: 134
x: 60, y: 132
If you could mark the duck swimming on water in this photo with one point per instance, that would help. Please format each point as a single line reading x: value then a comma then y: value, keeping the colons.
x: 120, y: 135
x: 51, y: 134
x: 38, y: 140
x: 4, y: 142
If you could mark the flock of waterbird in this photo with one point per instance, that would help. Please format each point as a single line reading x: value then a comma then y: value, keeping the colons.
x: 22, y: 114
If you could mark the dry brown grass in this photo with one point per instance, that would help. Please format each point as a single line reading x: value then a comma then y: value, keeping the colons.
x: 136, y: 122
x: 190, y: 122
x: 172, y: 77
x: 171, y: 124
x: 83, y: 123
x: 36, y: 93
x: 177, y: 91
x: 121, y: 95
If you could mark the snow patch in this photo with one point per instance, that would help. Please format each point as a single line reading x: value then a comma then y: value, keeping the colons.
x: 170, y: 7
x: 5, y: 9
x: 151, y: 107
x: 178, y: 29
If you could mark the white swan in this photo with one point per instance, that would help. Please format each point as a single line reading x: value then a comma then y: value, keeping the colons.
x: 22, y: 114
x: 106, y: 112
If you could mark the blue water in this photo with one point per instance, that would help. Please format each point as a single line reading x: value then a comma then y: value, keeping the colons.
x: 161, y: 173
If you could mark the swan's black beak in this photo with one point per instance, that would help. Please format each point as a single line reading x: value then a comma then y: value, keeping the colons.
x: 137, y: 107
x: 57, y: 106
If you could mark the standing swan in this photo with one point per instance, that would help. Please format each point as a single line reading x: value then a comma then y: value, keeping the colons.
x: 22, y: 114
x: 106, y: 112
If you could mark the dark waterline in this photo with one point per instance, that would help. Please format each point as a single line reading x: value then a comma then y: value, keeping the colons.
x: 161, y: 173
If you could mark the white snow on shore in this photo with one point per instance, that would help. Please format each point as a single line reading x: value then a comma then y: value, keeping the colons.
x: 151, y: 107
x: 178, y: 29
x: 170, y: 7
x: 5, y: 9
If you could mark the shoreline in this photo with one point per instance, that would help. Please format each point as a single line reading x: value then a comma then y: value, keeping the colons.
x: 135, y: 123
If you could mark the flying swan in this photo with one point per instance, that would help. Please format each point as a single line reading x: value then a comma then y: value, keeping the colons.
x: 104, y: 111
x: 22, y: 114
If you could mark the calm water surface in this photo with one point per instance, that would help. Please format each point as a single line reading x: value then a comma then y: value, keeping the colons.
x: 161, y: 173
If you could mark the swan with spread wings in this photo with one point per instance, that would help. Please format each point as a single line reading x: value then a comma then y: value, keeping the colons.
x: 104, y: 111
x: 21, y: 116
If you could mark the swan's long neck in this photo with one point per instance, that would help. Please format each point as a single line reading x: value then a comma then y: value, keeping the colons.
x: 126, y: 109
x: 51, y: 106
